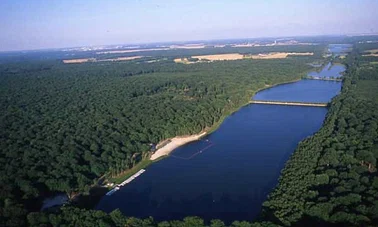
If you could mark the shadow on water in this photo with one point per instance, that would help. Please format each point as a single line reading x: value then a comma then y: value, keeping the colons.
x: 205, y: 205
x: 91, y: 199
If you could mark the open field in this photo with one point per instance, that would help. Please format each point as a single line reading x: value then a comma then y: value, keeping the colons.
x: 237, y: 56
x: 80, y: 60
x: 277, y: 55
x: 129, y: 51
x: 220, y: 57
x: 183, y: 60
x: 83, y: 60
x: 371, y: 53
x: 121, y: 58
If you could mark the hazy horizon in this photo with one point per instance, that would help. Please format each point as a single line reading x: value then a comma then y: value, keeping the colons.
x: 42, y: 24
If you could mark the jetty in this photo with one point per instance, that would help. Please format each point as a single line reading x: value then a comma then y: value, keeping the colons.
x: 128, y: 180
x: 312, y: 104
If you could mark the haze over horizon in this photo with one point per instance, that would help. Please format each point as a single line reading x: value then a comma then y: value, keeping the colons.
x: 43, y: 24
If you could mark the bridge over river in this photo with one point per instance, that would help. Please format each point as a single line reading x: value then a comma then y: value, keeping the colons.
x: 323, y: 78
x: 285, y: 103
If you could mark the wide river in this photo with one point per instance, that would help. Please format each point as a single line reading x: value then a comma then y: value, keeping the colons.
x: 239, y: 164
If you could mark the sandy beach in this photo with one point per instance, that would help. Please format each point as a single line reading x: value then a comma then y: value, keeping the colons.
x: 175, y: 143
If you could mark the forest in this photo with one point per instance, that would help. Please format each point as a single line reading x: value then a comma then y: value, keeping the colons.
x: 43, y: 56
x: 330, y: 180
x: 65, y: 128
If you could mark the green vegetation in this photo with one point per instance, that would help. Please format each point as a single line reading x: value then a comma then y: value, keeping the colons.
x: 128, y: 173
x: 70, y: 216
x: 332, y: 177
x: 65, y: 128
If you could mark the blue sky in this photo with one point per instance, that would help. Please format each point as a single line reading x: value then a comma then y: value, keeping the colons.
x: 36, y: 24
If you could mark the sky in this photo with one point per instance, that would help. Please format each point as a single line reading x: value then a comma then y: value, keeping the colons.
x: 42, y: 24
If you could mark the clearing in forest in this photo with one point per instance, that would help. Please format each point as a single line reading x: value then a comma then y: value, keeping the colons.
x: 129, y: 51
x: 83, y: 60
x: 277, y: 55
x: 237, y: 56
x: 373, y: 53
x: 220, y: 57
x: 121, y: 58
x: 80, y: 60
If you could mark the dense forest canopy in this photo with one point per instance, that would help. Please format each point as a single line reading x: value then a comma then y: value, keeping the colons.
x: 65, y: 126
x: 332, y: 177
x: 330, y: 180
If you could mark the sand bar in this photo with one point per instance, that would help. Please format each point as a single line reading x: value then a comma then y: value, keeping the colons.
x: 175, y: 143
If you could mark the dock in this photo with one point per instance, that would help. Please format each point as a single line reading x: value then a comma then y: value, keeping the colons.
x: 312, y: 104
x: 128, y: 180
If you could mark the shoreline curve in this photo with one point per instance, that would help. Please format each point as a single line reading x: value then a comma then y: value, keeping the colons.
x: 175, y: 143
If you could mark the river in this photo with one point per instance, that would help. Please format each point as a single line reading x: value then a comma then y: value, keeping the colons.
x: 239, y: 164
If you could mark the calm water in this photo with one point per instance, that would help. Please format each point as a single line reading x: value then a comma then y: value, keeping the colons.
x: 338, y: 49
x: 329, y: 71
x: 232, y: 177
x: 302, y: 91
x: 229, y: 180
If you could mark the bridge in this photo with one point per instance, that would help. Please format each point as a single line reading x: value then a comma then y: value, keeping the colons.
x: 323, y: 78
x: 313, y: 104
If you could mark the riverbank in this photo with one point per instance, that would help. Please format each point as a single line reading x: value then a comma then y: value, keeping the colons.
x: 234, y: 138
x: 128, y: 173
x: 247, y: 102
x: 157, y: 156
x: 182, y: 140
x: 175, y: 143
x: 308, y: 157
